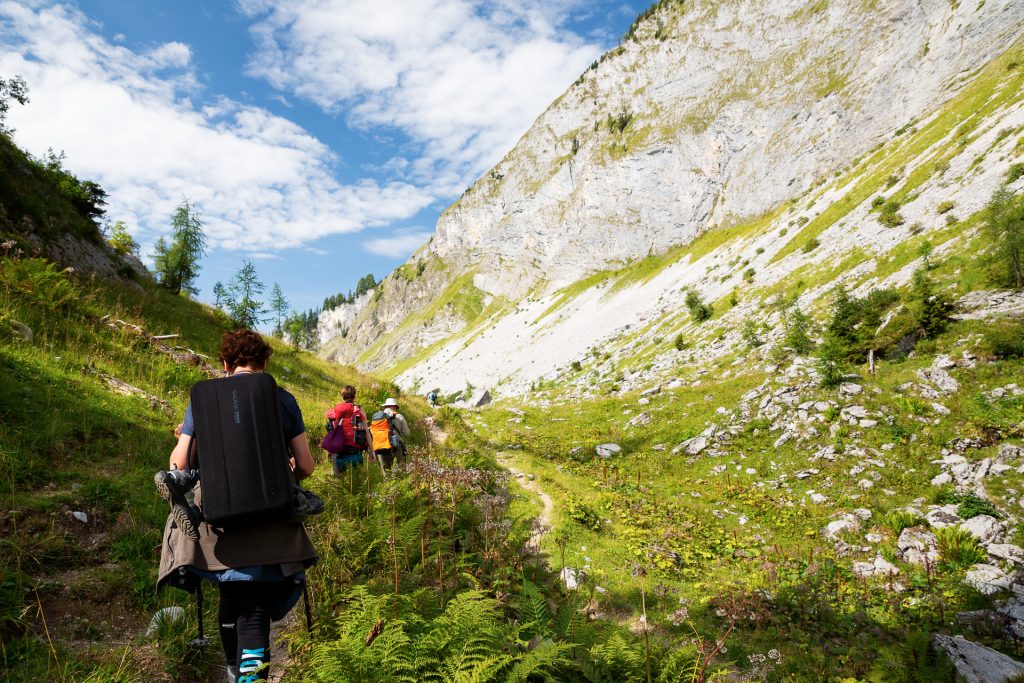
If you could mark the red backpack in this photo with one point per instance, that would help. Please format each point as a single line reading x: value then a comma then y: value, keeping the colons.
x: 352, y: 422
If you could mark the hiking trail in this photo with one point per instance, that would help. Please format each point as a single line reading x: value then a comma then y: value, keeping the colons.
x: 531, y: 485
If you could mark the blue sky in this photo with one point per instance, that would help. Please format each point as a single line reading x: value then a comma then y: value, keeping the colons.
x: 320, y: 138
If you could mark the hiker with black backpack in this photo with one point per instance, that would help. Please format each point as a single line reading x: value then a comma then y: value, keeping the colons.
x: 347, y: 435
x: 247, y: 438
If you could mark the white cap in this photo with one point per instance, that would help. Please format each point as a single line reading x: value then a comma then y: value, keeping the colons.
x: 390, y: 403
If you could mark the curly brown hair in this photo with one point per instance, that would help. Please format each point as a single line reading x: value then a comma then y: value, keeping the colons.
x: 244, y: 348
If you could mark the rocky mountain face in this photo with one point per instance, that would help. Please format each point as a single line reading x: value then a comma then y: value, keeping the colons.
x: 716, y: 134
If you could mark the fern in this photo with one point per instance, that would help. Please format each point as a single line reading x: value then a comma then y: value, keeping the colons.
x: 534, y: 612
x: 540, y: 662
x: 617, y: 660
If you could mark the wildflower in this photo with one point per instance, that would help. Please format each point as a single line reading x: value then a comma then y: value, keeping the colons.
x: 774, y: 655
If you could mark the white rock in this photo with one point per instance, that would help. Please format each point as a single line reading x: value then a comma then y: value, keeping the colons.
x: 80, y: 516
x: 607, y: 450
x: 1007, y: 551
x: 862, y: 514
x: 570, y: 578
x: 986, y: 579
x: 850, y: 389
x: 985, y: 528
x: 846, y: 524
x: 941, y: 479
x: 940, y: 409
x: 818, y: 498
x: 917, y: 546
x: 941, y: 517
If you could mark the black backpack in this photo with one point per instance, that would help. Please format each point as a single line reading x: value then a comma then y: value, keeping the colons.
x: 243, y: 457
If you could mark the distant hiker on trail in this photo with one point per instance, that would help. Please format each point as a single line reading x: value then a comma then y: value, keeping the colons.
x: 432, y: 397
x: 388, y: 428
x: 346, y: 432
x: 248, y: 436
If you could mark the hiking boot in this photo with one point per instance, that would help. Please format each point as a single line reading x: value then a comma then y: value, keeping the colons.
x: 172, y: 486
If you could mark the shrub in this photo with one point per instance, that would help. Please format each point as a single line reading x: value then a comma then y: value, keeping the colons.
x: 890, y: 216
x: 40, y: 280
x: 748, y: 274
x: 121, y: 241
x: 971, y: 505
x: 1014, y: 173
x: 1006, y: 341
x: 877, y: 202
x: 917, y: 228
x: 958, y: 548
x: 945, y: 207
x: 782, y: 232
x: 952, y: 219
x: 582, y: 514
x: 811, y: 245
x: 576, y: 366
x: 898, y: 520
x: 802, y: 221
x: 751, y: 333
x: 679, y: 342
x: 699, y: 310
x: 759, y: 250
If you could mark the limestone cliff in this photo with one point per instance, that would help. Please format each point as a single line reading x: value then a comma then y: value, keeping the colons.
x: 703, y: 124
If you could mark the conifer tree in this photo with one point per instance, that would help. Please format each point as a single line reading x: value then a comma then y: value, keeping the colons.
x: 279, y: 307
x: 931, y: 308
x: 798, y: 331
x: 1004, y: 224
x: 177, y: 264
x: 121, y: 241
x: 245, y: 308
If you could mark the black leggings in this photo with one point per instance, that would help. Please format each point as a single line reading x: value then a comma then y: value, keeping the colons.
x: 244, y: 617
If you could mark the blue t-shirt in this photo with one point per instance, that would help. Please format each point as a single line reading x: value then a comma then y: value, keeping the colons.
x: 291, y: 417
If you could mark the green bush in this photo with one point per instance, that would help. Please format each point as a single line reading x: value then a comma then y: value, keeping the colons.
x: 748, y: 274
x: 945, y: 207
x: 40, y: 280
x: 1014, y: 173
x: 958, y: 548
x: 877, y: 202
x: 699, y: 310
x: 931, y: 308
x: 581, y: 513
x: 898, y: 520
x: 810, y: 245
x: 1006, y: 340
x: 680, y: 342
x: 831, y: 363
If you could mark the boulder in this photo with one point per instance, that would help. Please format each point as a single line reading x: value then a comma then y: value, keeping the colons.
x: 1009, y: 452
x: 1007, y: 551
x: 976, y: 663
x: 985, y: 528
x: 693, y: 446
x: 570, y: 578
x: 843, y: 525
x: 607, y: 450
x: 850, y: 389
x: 917, y: 546
x: 987, y: 579
x: 940, y: 379
x: 943, y: 516
x: 22, y: 330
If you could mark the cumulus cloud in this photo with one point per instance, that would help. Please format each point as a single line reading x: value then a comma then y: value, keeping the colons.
x: 127, y: 119
x: 400, y: 243
x: 463, y: 79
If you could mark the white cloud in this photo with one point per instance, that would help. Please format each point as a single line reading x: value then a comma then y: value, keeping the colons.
x: 463, y: 79
x: 398, y: 244
x: 127, y: 119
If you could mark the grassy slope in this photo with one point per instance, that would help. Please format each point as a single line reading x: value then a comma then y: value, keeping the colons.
x: 699, y: 531
x: 67, y: 443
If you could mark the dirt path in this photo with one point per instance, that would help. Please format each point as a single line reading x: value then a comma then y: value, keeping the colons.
x: 532, y: 486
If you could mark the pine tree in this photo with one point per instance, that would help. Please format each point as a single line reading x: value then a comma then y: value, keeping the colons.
x: 221, y: 296
x: 831, y: 362
x: 177, y: 263
x: 245, y: 308
x: 798, y: 331
x: 279, y: 307
x: 842, y: 327
x: 1004, y: 225
x: 931, y: 308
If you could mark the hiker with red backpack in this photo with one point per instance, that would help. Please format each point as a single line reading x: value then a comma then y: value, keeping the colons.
x: 247, y: 438
x: 347, y: 436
